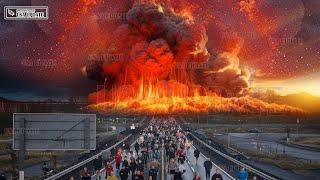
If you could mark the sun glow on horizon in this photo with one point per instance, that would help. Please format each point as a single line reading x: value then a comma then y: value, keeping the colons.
x: 309, y: 84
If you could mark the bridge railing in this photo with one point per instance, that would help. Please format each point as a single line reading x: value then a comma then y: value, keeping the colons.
x: 84, y: 162
x: 113, y: 161
x: 249, y: 168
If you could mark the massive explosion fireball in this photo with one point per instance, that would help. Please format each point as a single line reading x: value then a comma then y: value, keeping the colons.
x: 164, y: 67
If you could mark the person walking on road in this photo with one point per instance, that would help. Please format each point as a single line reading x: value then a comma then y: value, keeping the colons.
x: 156, y: 154
x: 125, y: 162
x: 242, y: 174
x: 217, y: 176
x: 118, y: 159
x: 97, y: 164
x: 133, y: 166
x: 124, y: 173
x: 85, y: 174
x: 137, y: 147
x: 153, y: 173
x: 144, y: 151
x: 180, y: 155
x: 181, y: 170
x: 155, y: 163
x: 171, y: 153
x: 106, y: 155
x: 112, y: 177
x: 196, y: 154
x: 172, y: 166
x: 177, y: 175
x: 208, y: 166
x: 140, y: 165
x: 109, y: 169
x: 188, y: 146
x: 137, y: 176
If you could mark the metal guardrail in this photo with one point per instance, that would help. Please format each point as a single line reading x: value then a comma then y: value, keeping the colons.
x: 261, y: 174
x: 215, y: 165
x: 72, y: 168
x: 218, y: 167
x: 189, y: 164
x: 113, y: 161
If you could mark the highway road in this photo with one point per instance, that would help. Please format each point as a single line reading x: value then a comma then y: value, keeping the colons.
x: 191, y: 168
x: 269, y: 143
x: 218, y: 158
x: 199, y: 168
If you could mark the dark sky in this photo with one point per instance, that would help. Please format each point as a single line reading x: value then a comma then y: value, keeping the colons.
x: 31, y: 66
x: 41, y: 60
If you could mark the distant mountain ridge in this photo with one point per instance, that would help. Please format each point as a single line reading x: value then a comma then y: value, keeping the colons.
x: 301, y: 100
x: 2, y: 99
x: 49, y: 105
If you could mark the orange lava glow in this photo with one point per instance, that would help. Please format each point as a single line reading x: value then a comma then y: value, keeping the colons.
x: 192, y: 105
x: 160, y: 100
x: 168, y: 67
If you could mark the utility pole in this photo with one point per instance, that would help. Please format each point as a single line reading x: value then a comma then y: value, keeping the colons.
x: 298, y: 121
x: 22, y: 149
x: 207, y: 118
x: 288, y: 134
x: 228, y: 140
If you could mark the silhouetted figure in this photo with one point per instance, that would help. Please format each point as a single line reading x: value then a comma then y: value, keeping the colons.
x: 217, y: 176
x: 208, y: 166
x: 196, y: 154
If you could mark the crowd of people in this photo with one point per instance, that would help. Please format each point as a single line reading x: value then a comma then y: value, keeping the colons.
x: 138, y: 162
x: 175, y: 150
x: 177, y: 147
x: 142, y: 160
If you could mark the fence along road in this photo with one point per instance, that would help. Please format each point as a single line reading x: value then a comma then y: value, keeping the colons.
x: 198, y: 167
x: 249, y: 168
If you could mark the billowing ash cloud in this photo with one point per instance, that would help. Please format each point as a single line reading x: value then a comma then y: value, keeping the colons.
x: 150, y: 60
x: 162, y: 48
x: 225, y: 75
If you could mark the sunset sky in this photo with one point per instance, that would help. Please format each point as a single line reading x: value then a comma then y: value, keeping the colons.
x: 309, y: 84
